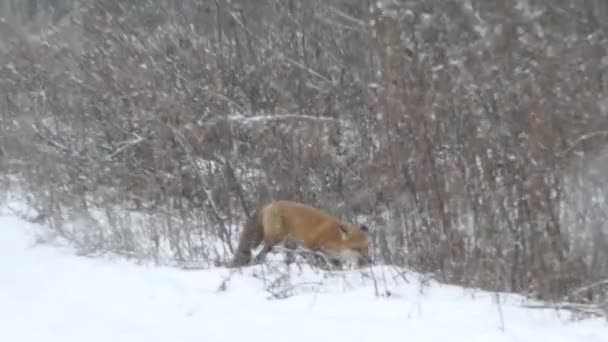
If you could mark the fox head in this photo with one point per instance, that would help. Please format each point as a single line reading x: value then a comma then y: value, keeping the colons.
x: 355, y: 244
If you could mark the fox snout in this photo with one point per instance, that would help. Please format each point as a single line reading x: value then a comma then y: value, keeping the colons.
x: 354, y: 256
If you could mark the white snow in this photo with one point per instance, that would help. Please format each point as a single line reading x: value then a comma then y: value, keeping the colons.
x: 48, y: 293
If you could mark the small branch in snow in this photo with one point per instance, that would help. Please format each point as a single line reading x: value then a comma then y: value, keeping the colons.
x: 340, y: 13
x: 258, y: 118
x: 581, y: 139
x: 50, y: 142
x: 590, y: 286
x: 224, y: 98
x: 124, y: 145
x: 304, y: 67
x: 593, y: 310
x: 340, y: 26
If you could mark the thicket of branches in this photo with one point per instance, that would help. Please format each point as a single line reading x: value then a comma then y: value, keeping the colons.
x: 470, y: 134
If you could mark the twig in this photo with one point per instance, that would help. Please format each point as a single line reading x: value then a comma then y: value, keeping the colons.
x: 124, y: 145
x: 581, y: 139
x: 590, y: 286
x: 590, y: 309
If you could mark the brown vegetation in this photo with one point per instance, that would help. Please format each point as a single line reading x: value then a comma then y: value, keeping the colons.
x: 470, y: 134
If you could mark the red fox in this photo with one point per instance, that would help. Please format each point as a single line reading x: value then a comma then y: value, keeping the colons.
x: 292, y: 222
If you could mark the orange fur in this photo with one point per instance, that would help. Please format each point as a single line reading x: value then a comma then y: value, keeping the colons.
x: 309, y: 227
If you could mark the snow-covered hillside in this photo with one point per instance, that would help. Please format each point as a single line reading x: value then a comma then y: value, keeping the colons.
x: 49, y: 294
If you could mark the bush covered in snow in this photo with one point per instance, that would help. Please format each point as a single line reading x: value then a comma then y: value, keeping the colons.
x: 471, y: 136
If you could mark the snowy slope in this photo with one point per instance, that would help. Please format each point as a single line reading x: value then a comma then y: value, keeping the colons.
x: 49, y: 294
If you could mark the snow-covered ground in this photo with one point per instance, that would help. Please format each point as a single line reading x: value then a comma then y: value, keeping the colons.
x: 49, y: 294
